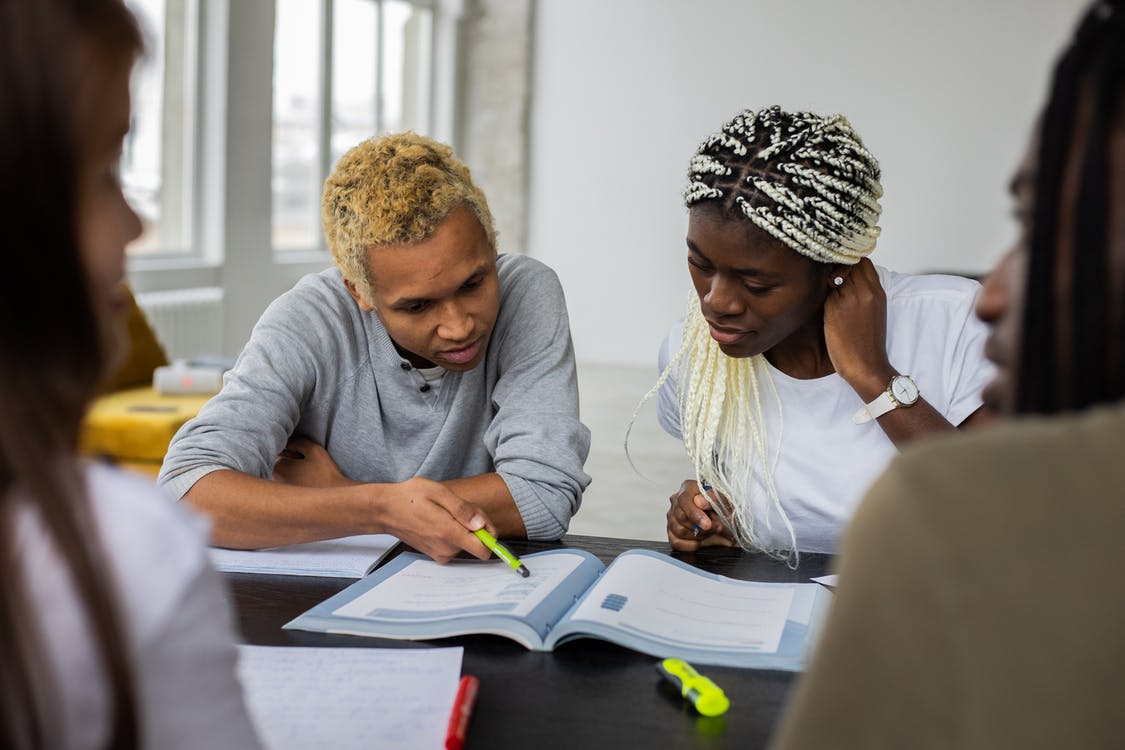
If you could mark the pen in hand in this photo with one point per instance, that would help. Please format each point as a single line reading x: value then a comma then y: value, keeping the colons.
x: 695, y: 530
x: 502, y: 552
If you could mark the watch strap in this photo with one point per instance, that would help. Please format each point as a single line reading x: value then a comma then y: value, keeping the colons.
x: 879, y: 406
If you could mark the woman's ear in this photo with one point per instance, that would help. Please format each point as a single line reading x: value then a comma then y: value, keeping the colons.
x: 837, y: 275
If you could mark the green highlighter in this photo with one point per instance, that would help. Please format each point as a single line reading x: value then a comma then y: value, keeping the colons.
x: 502, y: 552
x: 705, y: 695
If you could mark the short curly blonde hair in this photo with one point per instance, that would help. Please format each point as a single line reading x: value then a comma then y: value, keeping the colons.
x: 394, y: 189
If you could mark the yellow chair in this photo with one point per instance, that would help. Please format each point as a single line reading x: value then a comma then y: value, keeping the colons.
x: 130, y: 423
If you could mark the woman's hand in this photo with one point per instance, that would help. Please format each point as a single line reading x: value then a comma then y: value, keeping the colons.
x: 304, y: 463
x: 693, y: 523
x: 855, y: 330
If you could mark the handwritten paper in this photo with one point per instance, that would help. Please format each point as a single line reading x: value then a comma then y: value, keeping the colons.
x: 349, y: 557
x: 319, y: 698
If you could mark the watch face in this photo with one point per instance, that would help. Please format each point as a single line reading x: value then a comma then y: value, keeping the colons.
x: 904, y: 390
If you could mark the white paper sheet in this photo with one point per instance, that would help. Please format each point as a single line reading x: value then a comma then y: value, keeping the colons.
x: 341, y: 698
x: 683, y: 609
x: 829, y: 580
x: 426, y: 590
x: 349, y: 557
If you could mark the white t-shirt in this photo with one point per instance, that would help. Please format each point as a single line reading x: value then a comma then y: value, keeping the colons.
x: 179, y: 627
x: 826, y: 462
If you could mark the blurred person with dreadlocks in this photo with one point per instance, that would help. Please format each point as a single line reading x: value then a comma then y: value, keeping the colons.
x: 980, y: 603
x: 802, y: 367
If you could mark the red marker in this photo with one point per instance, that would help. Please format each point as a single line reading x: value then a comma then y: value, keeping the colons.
x: 461, y: 713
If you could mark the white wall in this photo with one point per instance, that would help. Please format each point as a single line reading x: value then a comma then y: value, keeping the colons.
x: 623, y: 91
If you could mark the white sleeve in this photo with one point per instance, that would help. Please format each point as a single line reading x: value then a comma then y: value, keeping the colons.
x: 190, y: 692
x: 182, y: 642
x: 667, y: 400
x: 967, y: 370
x: 934, y: 335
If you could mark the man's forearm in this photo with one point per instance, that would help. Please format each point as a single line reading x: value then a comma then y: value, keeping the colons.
x: 490, y: 493
x: 250, y: 513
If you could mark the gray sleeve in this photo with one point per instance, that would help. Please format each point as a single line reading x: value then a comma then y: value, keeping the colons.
x: 247, y: 424
x: 537, y: 443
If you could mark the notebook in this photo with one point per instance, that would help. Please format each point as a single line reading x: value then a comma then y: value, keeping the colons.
x: 348, y: 557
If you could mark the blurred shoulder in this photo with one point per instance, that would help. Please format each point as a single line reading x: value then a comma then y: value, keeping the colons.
x: 1012, y: 478
x: 154, y: 545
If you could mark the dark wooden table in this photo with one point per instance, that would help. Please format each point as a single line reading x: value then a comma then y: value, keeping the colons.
x: 586, y: 694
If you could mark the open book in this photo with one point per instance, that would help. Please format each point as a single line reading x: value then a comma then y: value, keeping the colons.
x: 644, y: 601
x: 347, y: 557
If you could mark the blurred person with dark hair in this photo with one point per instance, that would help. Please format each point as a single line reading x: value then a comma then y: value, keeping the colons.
x: 980, y: 603
x: 113, y: 628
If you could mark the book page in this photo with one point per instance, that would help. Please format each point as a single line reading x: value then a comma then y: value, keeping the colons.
x: 304, y: 698
x: 656, y: 598
x: 426, y: 590
x: 349, y: 557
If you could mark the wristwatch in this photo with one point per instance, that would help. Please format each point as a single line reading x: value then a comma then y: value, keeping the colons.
x: 902, y: 391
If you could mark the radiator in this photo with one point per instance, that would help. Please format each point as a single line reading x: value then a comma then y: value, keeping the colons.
x: 188, y: 322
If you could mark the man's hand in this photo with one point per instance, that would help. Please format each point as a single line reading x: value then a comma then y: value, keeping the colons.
x: 692, y: 522
x: 429, y: 517
x: 304, y: 463
x: 423, y: 513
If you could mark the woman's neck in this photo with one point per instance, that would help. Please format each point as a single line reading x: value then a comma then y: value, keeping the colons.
x: 803, y: 355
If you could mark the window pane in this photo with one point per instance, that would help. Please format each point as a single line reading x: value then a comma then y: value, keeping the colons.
x: 156, y: 166
x: 406, y: 67
x: 296, y: 125
x: 355, y: 23
x: 380, y: 81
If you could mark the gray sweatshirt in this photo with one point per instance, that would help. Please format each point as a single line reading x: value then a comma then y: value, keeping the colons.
x: 319, y: 367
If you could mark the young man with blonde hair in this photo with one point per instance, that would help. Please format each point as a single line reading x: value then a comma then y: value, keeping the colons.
x: 423, y: 387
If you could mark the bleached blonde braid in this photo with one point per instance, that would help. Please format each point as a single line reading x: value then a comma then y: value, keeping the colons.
x: 719, y: 399
x: 720, y: 406
x: 809, y: 181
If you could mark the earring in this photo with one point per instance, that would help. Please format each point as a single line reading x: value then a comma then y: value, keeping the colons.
x: 838, y: 280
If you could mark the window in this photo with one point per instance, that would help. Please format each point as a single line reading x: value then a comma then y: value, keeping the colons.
x: 375, y: 59
x: 157, y: 167
x: 226, y: 202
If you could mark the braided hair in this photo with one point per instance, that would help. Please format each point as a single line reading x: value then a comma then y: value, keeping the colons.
x: 1091, y: 71
x: 808, y: 181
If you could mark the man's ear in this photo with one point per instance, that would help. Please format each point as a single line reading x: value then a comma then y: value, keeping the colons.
x: 359, y: 300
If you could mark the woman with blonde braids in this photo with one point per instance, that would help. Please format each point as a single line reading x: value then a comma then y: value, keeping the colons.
x: 802, y: 366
